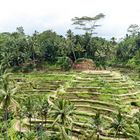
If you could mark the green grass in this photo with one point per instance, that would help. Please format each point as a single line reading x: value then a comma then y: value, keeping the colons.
x: 101, y: 88
x: 83, y: 95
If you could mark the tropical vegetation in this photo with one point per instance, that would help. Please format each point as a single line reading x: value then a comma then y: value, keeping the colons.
x: 44, y: 97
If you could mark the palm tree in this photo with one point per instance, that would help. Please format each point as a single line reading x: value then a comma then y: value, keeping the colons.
x: 94, y: 129
x: 63, y: 113
x: 8, y: 91
x: 118, y: 124
x: 70, y: 42
x: 133, y: 130
x: 8, y: 96
x: 96, y: 126
x: 97, y: 122
x: 20, y: 116
x: 44, y: 111
x: 30, y: 135
x: 29, y: 109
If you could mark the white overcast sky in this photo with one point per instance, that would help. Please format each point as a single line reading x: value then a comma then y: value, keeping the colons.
x: 42, y: 15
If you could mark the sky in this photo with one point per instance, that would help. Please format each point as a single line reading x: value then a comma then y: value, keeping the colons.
x: 56, y: 15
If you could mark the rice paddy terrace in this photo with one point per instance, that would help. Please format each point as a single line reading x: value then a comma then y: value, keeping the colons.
x: 90, y: 92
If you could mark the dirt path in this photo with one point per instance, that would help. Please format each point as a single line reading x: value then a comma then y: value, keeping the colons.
x: 19, y: 127
x: 97, y: 71
x: 134, y: 111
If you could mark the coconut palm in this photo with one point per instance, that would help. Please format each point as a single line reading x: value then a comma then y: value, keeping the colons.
x: 44, y: 110
x: 96, y: 127
x: 29, y: 109
x: 97, y: 124
x: 8, y: 91
x: 133, y: 130
x: 118, y: 124
x: 20, y: 116
x: 70, y: 43
x: 63, y: 113
x: 30, y: 135
x: 8, y: 96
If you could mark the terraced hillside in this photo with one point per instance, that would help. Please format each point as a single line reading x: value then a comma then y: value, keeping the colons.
x: 91, y: 92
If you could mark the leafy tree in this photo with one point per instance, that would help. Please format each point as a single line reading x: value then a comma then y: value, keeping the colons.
x: 70, y: 42
x: 86, y: 23
x: 133, y: 29
x: 35, y: 51
x: 49, y: 43
x: 20, y: 30
x: 65, y: 63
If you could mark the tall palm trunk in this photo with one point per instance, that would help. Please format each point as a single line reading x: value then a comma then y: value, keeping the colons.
x: 30, y: 124
x: 73, y: 54
x: 45, y: 120
x: 6, y: 122
x: 20, y: 122
x: 98, y: 136
x: 29, y: 117
x: 42, y: 120
x: 98, y: 133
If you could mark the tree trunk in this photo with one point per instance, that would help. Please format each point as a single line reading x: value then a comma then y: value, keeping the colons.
x: 45, y: 120
x: 6, y: 123
x: 98, y: 136
x: 30, y: 123
x: 73, y: 54
x: 20, y: 124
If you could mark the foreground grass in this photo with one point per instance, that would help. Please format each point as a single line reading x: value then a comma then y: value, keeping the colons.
x: 90, y: 92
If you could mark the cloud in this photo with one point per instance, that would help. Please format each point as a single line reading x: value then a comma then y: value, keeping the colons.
x: 57, y: 14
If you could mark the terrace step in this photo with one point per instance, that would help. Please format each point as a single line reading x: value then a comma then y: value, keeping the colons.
x: 129, y: 94
x: 92, y: 108
x: 93, y: 102
x: 89, y: 114
x: 32, y: 91
x: 90, y: 89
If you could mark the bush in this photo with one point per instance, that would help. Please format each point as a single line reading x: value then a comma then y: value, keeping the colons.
x: 16, y: 68
x: 28, y: 68
x: 79, y: 60
x: 65, y: 63
x: 137, y: 104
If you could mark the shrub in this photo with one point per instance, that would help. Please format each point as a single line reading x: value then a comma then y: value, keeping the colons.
x: 137, y: 104
x: 28, y: 68
x: 133, y: 103
x: 65, y: 63
x: 16, y: 68
x: 79, y: 60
